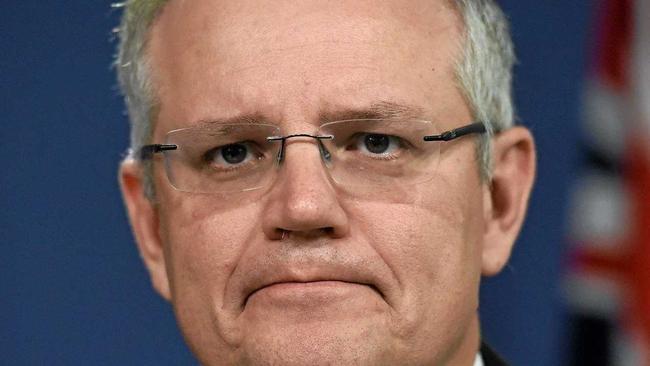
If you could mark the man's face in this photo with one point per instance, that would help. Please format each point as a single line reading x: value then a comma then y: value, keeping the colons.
x: 307, y: 271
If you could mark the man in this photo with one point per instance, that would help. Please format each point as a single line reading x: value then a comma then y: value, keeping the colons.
x: 323, y: 183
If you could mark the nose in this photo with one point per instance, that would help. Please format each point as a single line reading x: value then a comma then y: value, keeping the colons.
x: 303, y: 202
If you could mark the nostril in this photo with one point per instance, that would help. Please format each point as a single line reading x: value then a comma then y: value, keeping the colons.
x: 281, y: 234
x: 328, y: 230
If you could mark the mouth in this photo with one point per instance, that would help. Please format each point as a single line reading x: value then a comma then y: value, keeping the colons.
x: 305, y: 292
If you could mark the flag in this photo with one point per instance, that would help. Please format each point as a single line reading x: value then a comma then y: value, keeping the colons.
x: 608, y: 280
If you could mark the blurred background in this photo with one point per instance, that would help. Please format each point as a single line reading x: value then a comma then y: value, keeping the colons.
x: 577, y: 291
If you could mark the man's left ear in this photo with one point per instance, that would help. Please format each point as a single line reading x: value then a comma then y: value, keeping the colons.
x: 506, y: 196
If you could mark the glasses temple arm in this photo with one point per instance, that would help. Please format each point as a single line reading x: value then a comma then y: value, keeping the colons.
x: 146, y: 152
x: 477, y: 127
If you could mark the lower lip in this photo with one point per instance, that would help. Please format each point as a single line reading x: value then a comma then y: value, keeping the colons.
x: 316, y: 293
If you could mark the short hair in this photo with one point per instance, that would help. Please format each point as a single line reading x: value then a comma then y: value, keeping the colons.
x: 483, y: 73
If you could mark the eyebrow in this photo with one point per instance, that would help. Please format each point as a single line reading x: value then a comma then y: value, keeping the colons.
x: 377, y: 110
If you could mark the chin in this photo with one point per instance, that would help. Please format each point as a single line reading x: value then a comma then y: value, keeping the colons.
x: 317, y: 343
x: 323, y: 323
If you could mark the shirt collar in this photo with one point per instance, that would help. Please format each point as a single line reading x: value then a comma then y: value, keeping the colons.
x: 478, y: 361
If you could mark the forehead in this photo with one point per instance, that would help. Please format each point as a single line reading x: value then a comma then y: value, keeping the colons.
x: 299, y: 57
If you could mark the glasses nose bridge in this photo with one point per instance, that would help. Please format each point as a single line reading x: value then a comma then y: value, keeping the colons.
x: 282, y: 140
x: 300, y: 160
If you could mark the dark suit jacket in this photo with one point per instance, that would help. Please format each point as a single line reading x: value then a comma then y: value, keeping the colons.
x: 490, y: 358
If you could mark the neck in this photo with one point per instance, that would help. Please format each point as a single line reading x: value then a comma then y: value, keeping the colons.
x: 465, y: 352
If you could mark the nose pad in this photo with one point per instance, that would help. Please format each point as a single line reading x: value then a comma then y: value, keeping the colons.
x: 324, y: 153
x: 299, y: 158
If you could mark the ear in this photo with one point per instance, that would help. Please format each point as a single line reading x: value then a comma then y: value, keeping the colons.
x: 144, y: 223
x: 506, y: 197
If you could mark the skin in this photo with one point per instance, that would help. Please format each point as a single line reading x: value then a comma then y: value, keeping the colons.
x: 307, y: 272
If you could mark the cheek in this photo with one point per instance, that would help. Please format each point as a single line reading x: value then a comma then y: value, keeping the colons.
x: 424, y: 246
x: 432, y: 245
x: 204, y: 239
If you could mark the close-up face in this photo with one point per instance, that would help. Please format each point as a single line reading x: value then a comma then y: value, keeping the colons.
x: 307, y: 269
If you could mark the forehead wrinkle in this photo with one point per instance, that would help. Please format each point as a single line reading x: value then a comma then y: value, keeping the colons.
x: 376, y: 110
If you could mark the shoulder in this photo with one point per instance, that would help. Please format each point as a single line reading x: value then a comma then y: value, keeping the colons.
x: 491, y: 358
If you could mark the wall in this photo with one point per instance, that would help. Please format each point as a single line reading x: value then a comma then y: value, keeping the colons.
x: 73, y: 289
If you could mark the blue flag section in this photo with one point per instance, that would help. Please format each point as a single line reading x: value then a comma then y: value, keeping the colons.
x: 73, y: 288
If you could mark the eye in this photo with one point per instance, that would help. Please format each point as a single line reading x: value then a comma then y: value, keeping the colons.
x: 377, y: 144
x: 232, y: 155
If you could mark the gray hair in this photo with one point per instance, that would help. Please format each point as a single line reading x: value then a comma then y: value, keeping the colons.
x: 484, y: 72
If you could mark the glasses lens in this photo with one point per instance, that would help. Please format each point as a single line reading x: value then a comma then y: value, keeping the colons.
x: 239, y: 157
x: 381, y: 152
x: 221, y: 158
